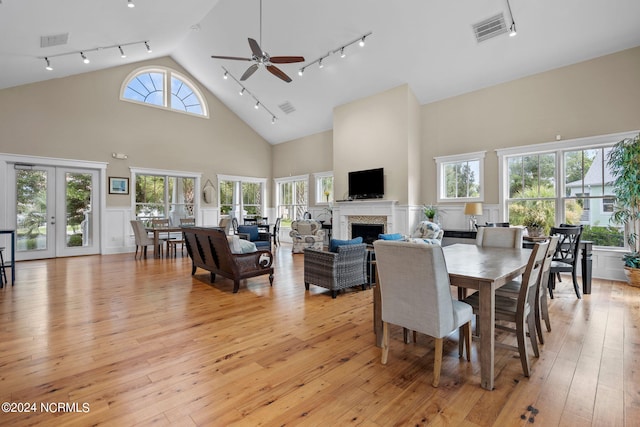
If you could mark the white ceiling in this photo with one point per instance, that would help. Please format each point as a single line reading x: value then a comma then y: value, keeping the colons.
x: 427, y: 44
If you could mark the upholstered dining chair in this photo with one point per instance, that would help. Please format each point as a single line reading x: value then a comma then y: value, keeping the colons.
x: 414, y: 286
x: 565, y: 259
x: 541, y: 308
x: 519, y: 311
x: 499, y: 237
x: 141, y: 237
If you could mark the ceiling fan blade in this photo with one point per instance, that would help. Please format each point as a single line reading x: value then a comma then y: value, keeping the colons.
x: 232, y: 57
x: 286, y: 59
x: 278, y: 73
x: 255, y: 48
x: 252, y: 69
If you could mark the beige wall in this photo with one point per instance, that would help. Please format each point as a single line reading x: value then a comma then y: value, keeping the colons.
x: 81, y: 117
x: 595, y: 97
x: 308, y: 155
x: 371, y: 133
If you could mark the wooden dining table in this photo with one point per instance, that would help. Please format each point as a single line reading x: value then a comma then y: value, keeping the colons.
x: 483, y: 269
x: 156, y: 236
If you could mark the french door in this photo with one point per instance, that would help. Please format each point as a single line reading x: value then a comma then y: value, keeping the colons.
x: 56, y: 211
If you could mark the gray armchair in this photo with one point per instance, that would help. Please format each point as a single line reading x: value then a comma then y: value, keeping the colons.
x: 336, y: 270
x: 306, y: 233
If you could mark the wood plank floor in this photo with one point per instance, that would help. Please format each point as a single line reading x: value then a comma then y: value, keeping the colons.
x: 142, y: 342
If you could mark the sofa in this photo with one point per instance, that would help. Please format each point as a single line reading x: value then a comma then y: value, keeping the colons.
x: 210, y: 250
x: 306, y: 233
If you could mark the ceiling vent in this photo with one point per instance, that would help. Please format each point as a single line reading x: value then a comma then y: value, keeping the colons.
x: 287, y: 107
x: 490, y: 28
x: 55, y: 40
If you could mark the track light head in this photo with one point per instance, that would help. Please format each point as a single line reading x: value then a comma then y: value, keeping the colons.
x: 273, y: 120
x: 146, y: 44
x: 320, y: 64
x: 226, y: 75
x: 242, y: 91
x: 342, y: 54
x: 512, y: 29
x: 301, y: 71
x: 131, y: 4
x: 84, y: 58
x: 257, y: 105
x: 48, y: 67
x: 122, y: 54
x: 361, y: 44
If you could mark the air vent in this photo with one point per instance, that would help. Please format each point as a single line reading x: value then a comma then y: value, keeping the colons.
x: 55, y: 40
x: 287, y: 107
x: 490, y: 28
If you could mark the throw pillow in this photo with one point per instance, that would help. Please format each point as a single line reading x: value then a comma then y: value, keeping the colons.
x: 333, y: 245
x: 427, y: 230
x: 234, y: 244
x: 393, y: 236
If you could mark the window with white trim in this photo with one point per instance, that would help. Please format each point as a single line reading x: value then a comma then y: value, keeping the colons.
x: 292, y: 198
x: 164, y: 194
x: 565, y: 182
x: 164, y: 88
x: 460, y: 177
x: 324, y: 187
x: 242, y: 197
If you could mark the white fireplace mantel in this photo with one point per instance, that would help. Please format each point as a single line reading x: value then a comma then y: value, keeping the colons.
x: 374, y: 208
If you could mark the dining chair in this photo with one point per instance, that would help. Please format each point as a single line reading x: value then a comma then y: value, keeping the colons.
x: 276, y: 232
x: 415, y: 294
x: 3, y: 269
x: 141, y: 237
x: 565, y: 259
x: 162, y: 223
x: 541, y: 308
x: 172, y: 244
x: 521, y: 310
x: 225, y: 224
x: 499, y: 237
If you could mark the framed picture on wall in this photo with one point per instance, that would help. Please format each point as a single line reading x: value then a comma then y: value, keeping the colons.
x: 118, y: 185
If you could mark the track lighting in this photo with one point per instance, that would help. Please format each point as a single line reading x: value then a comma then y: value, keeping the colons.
x: 83, y: 52
x: 512, y: 28
x: 131, y: 4
x: 341, y: 50
x: 242, y: 91
x: 226, y: 75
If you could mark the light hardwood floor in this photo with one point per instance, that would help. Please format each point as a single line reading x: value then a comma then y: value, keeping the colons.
x: 143, y: 342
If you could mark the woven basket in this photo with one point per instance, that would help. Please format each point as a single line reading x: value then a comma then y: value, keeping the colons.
x: 633, y: 276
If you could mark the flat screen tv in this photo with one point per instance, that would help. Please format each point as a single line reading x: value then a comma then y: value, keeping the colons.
x: 366, y: 184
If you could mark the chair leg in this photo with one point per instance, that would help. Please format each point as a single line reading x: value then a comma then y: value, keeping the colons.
x: 552, y: 284
x: 544, y: 309
x: 537, y: 317
x: 531, y: 326
x: 385, y: 343
x: 575, y: 283
x: 522, y: 346
x: 466, y: 328
x: 437, y: 363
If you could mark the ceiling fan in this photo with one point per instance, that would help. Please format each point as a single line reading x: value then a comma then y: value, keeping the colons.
x: 261, y: 57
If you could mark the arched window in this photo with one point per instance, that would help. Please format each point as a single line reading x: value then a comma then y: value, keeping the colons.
x: 164, y: 88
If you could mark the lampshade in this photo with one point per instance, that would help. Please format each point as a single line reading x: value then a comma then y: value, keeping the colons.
x: 473, y: 208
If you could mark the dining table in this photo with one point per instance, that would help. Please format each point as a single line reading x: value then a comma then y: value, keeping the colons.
x: 156, y: 236
x: 483, y: 269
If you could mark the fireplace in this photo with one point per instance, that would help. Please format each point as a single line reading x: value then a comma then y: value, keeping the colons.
x: 368, y: 232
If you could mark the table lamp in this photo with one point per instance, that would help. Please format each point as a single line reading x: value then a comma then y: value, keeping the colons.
x: 472, y: 209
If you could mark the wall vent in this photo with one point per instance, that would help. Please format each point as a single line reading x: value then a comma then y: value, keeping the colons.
x: 55, y: 40
x: 490, y: 28
x: 287, y: 107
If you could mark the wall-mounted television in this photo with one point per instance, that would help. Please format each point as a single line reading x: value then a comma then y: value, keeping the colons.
x: 366, y: 184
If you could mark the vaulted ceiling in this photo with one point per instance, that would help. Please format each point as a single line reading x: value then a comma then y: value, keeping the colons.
x: 429, y: 45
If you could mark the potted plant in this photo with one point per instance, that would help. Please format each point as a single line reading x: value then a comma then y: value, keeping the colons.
x: 430, y: 211
x: 534, y: 221
x: 624, y: 164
